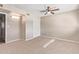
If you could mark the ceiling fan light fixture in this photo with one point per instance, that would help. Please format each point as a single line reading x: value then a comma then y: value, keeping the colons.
x: 50, y: 10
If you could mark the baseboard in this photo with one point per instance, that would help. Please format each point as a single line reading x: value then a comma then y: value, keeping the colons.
x: 62, y: 39
x: 12, y: 41
x: 32, y: 38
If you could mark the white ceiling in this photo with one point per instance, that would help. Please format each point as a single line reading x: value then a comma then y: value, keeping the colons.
x: 42, y: 6
x: 39, y: 7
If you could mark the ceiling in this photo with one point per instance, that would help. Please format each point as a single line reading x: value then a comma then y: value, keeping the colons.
x: 39, y: 7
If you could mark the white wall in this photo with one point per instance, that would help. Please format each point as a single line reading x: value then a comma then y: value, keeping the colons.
x: 60, y: 25
x: 13, y: 29
x: 32, y: 25
x: 29, y: 28
x: 16, y: 29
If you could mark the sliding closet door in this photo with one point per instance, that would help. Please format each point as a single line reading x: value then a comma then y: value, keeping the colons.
x: 2, y: 27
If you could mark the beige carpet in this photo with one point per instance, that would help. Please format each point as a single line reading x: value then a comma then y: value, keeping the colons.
x: 36, y: 46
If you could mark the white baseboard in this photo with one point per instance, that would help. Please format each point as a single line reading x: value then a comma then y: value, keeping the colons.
x: 62, y: 39
x: 32, y: 38
x: 12, y: 41
x: 29, y: 39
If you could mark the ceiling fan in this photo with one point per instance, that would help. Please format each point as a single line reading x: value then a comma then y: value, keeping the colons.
x: 49, y: 10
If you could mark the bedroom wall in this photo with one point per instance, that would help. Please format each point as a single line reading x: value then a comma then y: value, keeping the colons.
x: 60, y: 25
x: 13, y: 29
x: 26, y: 28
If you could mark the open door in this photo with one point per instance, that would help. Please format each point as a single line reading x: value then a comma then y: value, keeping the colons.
x: 2, y: 28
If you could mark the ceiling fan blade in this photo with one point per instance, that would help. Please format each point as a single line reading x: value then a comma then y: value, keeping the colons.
x: 55, y: 9
x: 52, y: 12
x: 43, y: 11
x: 48, y: 7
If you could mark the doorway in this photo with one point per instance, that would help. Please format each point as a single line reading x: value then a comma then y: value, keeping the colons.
x: 2, y: 28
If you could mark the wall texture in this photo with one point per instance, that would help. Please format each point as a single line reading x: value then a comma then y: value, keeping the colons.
x: 60, y: 25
